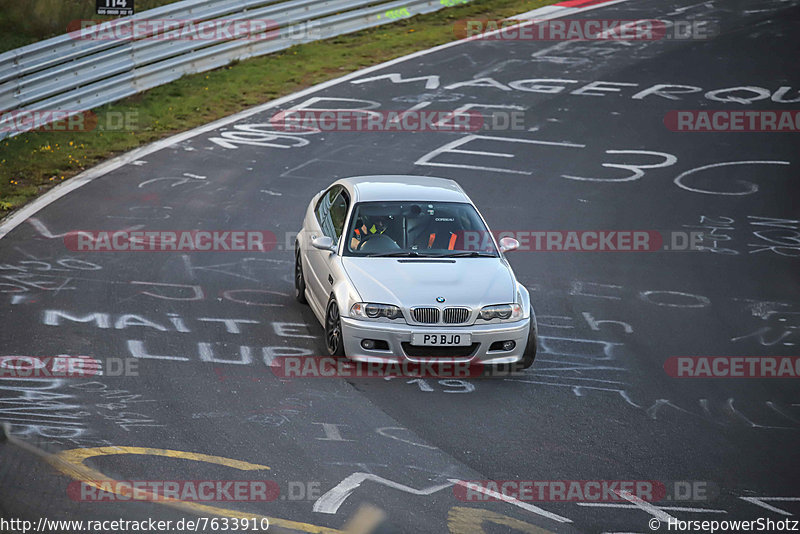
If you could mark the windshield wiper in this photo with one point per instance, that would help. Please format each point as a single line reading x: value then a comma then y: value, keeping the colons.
x: 399, y: 254
x: 470, y: 254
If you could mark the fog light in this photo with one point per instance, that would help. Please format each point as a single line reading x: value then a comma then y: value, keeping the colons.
x: 509, y: 345
x: 368, y: 344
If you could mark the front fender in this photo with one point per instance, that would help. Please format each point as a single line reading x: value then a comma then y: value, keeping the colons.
x: 343, y: 290
x: 527, y: 306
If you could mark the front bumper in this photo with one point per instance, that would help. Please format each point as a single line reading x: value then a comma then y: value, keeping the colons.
x: 396, y: 335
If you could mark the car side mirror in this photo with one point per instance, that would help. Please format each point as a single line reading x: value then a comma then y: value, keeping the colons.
x: 323, y: 243
x: 507, y: 244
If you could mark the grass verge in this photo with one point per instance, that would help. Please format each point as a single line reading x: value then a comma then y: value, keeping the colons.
x: 33, y: 162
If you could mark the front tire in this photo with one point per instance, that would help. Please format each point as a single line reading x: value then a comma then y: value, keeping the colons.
x: 529, y: 355
x: 333, y: 330
x: 299, y: 279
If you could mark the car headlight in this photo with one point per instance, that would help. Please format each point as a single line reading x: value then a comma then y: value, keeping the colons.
x: 369, y: 310
x: 504, y: 312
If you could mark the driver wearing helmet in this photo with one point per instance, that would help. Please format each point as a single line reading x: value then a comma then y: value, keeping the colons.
x: 367, y: 227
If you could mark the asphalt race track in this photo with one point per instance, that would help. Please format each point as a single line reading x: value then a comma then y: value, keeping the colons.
x: 594, y: 154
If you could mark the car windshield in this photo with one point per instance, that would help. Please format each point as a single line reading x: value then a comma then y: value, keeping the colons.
x: 443, y: 229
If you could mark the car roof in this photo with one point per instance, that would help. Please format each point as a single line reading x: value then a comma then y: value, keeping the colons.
x: 402, y: 187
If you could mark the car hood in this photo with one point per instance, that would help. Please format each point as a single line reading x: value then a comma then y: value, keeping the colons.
x: 408, y: 282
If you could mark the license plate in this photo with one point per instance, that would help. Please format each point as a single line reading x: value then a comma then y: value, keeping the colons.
x: 441, y: 340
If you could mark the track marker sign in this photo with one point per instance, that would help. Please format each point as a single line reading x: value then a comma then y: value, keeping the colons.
x: 118, y: 8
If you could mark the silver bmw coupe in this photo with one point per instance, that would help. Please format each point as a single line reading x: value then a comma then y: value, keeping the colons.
x: 404, y: 268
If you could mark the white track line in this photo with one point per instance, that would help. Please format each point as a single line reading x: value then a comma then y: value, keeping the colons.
x: 21, y: 215
x: 646, y: 506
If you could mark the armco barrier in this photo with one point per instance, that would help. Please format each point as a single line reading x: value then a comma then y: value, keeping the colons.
x: 69, y: 74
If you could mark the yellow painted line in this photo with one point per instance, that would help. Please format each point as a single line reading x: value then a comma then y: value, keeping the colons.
x: 460, y: 520
x: 71, y: 463
x: 463, y: 520
x: 366, y: 519
x: 77, y: 456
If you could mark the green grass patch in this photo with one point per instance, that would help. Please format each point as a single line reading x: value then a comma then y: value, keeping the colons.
x: 33, y: 162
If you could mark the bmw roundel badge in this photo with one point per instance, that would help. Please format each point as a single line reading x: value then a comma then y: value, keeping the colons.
x: 439, y: 299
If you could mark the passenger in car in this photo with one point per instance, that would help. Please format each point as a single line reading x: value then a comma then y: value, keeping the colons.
x: 367, y: 227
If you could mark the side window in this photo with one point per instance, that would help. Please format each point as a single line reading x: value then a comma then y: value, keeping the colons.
x: 331, y: 211
x: 339, y: 213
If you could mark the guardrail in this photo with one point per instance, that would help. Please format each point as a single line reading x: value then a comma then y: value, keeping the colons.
x: 71, y: 74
